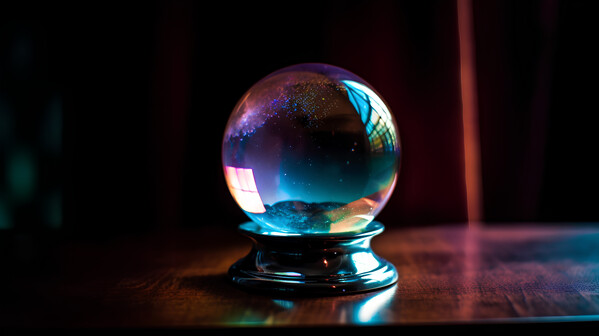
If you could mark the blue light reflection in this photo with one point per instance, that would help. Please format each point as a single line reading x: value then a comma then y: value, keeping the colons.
x: 374, y: 114
x: 364, y: 262
x: 372, y: 310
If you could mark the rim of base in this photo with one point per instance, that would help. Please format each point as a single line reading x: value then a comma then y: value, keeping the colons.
x: 383, y: 276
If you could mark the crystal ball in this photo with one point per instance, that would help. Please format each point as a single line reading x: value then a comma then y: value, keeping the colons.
x: 311, y: 149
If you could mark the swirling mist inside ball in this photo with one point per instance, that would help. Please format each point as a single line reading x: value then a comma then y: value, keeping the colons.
x: 311, y: 149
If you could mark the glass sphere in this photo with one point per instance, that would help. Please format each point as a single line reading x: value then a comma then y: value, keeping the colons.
x: 311, y: 149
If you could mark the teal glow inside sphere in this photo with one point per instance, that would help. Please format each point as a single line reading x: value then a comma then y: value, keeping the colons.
x: 311, y: 149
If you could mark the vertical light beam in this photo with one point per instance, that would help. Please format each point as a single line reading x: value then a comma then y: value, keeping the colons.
x: 472, y: 167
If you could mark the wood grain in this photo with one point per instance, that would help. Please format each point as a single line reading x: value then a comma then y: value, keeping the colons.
x: 447, y: 275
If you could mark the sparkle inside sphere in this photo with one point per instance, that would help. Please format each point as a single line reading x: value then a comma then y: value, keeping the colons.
x: 311, y: 149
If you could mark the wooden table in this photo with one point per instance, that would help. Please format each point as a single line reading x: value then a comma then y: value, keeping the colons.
x: 448, y: 276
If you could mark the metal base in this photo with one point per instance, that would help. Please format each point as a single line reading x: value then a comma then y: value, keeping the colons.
x: 312, y: 264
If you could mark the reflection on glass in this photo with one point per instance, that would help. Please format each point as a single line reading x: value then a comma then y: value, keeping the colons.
x: 374, y: 114
x: 364, y: 262
x: 243, y: 188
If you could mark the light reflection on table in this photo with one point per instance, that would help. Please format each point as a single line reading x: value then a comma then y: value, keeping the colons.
x: 369, y: 308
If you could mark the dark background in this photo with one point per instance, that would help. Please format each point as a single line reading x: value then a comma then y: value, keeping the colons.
x: 112, y: 112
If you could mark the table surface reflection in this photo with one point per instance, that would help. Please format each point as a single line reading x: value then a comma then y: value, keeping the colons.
x: 447, y: 275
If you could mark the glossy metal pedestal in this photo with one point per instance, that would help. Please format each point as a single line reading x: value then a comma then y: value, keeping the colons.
x: 312, y: 264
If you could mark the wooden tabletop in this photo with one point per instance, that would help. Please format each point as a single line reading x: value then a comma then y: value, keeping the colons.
x: 447, y: 275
